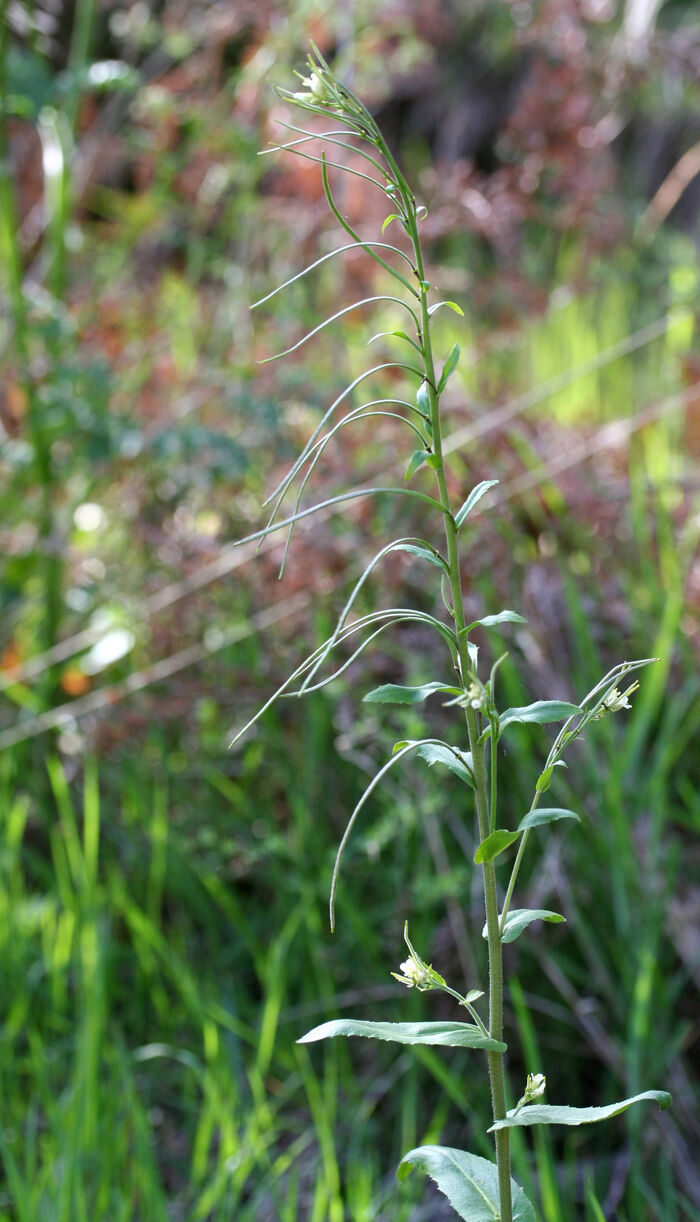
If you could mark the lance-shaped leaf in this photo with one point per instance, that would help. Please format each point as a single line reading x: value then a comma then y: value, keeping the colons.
x: 423, y: 398
x: 492, y: 846
x: 393, y: 693
x: 451, y: 304
x: 424, y: 552
x: 458, y: 762
x: 544, y: 1113
x: 548, y: 814
x: 448, y: 1035
x: 499, y: 841
x: 518, y: 920
x: 541, y: 712
x: 474, y: 496
x: 544, y: 780
x: 448, y: 368
x: 501, y: 617
x: 470, y: 1183
x: 416, y: 460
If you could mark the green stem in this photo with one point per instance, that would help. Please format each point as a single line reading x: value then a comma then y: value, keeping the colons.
x: 494, y: 777
x: 495, y: 949
x: 458, y: 996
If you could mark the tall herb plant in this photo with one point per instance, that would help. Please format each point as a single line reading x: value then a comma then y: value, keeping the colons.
x: 478, y: 1189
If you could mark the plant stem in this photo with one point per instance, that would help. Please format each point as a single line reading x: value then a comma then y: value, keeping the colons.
x: 495, y: 949
x: 494, y: 777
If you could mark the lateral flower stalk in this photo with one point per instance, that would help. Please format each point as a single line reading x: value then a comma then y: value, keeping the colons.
x: 415, y: 973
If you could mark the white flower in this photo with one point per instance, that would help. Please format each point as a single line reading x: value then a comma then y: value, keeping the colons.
x: 616, y: 700
x: 315, y: 90
x: 416, y: 974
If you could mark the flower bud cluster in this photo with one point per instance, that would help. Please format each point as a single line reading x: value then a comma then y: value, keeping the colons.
x: 534, y: 1088
x: 475, y: 697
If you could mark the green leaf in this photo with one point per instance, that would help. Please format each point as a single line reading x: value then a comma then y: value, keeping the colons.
x: 474, y: 496
x: 499, y: 841
x: 502, y: 617
x: 423, y: 552
x: 423, y: 398
x: 449, y: 1035
x: 416, y: 460
x: 470, y: 1183
x: 548, y: 814
x: 544, y: 780
x: 451, y: 304
x: 448, y: 368
x: 494, y: 845
x: 393, y: 216
x: 389, y: 335
x: 393, y: 693
x: 458, y: 762
x: 540, y: 712
x: 544, y: 1113
x: 518, y: 920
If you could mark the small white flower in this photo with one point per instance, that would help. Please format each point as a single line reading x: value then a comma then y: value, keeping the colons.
x: 415, y: 974
x: 616, y: 700
x: 315, y: 90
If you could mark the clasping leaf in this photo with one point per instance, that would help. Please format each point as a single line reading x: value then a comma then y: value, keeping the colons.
x: 447, y: 1035
x: 545, y: 1113
x: 492, y: 846
x: 541, y: 712
x: 458, y: 762
x: 393, y: 693
x: 470, y: 1183
x: 495, y: 844
x: 518, y: 920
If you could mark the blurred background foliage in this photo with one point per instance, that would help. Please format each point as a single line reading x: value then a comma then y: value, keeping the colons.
x: 163, y: 930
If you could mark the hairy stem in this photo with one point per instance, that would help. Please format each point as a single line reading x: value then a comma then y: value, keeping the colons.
x: 495, y: 948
